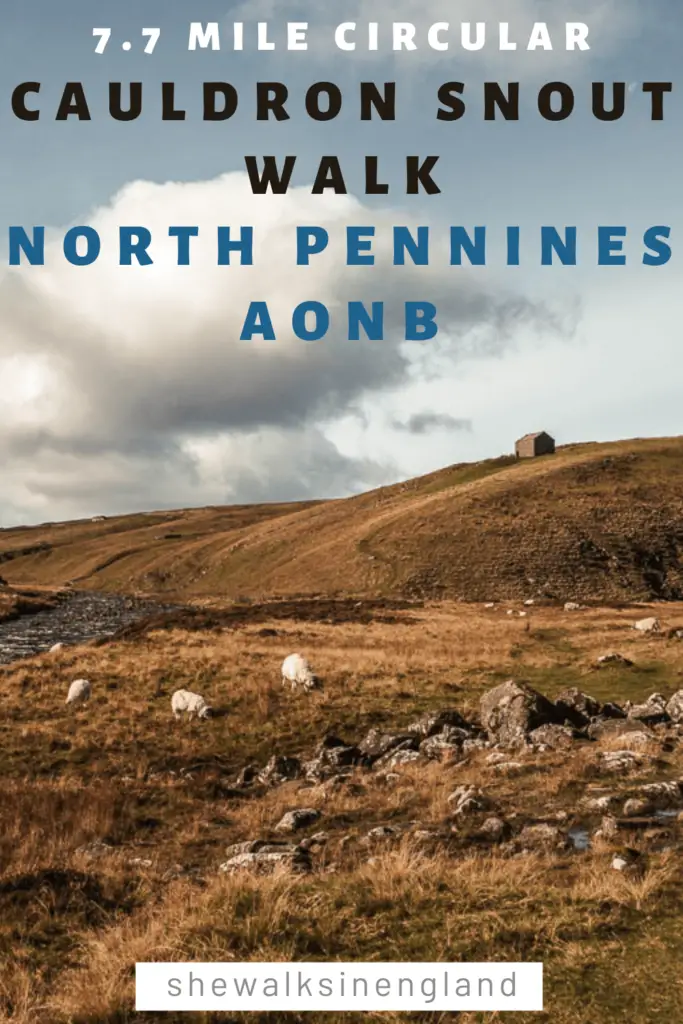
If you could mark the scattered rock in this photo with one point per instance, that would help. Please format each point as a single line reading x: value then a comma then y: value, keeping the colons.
x: 552, y: 737
x: 674, y: 707
x: 620, y: 762
x: 541, y: 837
x: 280, y: 769
x: 301, y: 817
x: 435, y: 722
x: 268, y: 857
x: 512, y: 710
x: 467, y: 800
x: 572, y: 606
x: 612, y: 658
x: 376, y: 744
x: 576, y: 707
x: 652, y: 711
x: 636, y: 808
x: 494, y: 830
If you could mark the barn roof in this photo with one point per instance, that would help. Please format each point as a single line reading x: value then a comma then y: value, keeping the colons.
x: 530, y: 437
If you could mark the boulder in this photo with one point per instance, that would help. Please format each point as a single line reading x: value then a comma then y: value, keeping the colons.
x: 542, y: 837
x: 298, y: 819
x: 376, y: 744
x: 674, y: 707
x: 512, y: 710
x: 604, y: 727
x: 552, y: 737
x: 280, y: 769
x: 435, y: 722
x: 652, y: 712
x: 577, y: 707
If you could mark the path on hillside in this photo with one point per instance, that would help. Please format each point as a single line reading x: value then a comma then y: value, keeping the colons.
x: 79, y: 617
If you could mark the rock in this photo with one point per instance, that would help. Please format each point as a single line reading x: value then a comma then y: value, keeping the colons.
x: 541, y: 837
x: 602, y: 728
x: 376, y: 744
x: 652, y: 712
x: 332, y: 758
x: 627, y: 860
x: 612, y: 658
x: 552, y: 737
x: 577, y: 707
x: 512, y: 710
x: 508, y: 768
x: 649, y: 625
x: 494, y: 830
x: 467, y: 800
x: 472, y: 746
x: 396, y: 758
x: 620, y: 762
x: 436, y: 749
x: 281, y: 769
x: 489, y: 604
x: 95, y: 849
x: 674, y: 707
x: 435, y: 722
x: 663, y: 795
x: 496, y: 757
x: 269, y: 858
x: 298, y: 819
x: 600, y: 803
x: 311, y: 842
x: 381, y: 834
x: 56, y: 648
x: 572, y: 606
x: 246, y: 776
x: 635, y: 808
x: 529, y: 603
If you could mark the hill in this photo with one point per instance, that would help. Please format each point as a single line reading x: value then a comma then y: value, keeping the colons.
x: 597, y: 522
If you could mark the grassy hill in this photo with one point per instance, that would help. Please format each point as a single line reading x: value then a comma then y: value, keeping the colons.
x: 593, y: 521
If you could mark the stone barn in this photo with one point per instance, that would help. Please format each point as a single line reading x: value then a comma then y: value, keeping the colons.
x: 534, y: 444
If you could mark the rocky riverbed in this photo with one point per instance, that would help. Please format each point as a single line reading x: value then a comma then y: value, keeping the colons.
x: 77, y: 618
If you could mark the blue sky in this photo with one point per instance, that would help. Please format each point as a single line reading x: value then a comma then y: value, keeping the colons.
x: 130, y: 391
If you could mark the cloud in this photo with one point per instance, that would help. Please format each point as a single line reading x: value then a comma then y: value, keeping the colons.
x: 123, y: 385
x: 425, y: 422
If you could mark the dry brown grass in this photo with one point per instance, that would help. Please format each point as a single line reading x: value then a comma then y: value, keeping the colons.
x: 75, y: 917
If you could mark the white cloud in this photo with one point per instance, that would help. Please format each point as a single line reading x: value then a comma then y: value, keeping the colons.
x: 125, y: 387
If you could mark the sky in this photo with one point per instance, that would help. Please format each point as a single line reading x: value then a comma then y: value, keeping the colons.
x: 128, y: 388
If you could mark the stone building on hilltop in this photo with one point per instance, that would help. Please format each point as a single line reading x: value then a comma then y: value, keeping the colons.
x: 534, y: 444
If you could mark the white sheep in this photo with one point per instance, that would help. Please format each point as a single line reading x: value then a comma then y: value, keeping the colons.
x: 79, y: 692
x: 191, y: 703
x: 57, y: 647
x: 297, y: 672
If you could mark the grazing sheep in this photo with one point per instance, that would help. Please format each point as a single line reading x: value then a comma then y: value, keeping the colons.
x: 191, y: 703
x: 297, y: 672
x: 79, y: 692
x: 57, y: 647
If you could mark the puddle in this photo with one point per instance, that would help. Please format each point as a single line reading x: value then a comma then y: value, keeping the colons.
x: 579, y: 837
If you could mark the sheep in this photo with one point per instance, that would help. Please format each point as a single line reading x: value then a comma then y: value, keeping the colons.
x: 57, y: 647
x: 297, y: 672
x: 192, y: 703
x: 79, y: 692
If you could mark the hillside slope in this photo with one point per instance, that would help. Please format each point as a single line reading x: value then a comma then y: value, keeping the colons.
x: 593, y: 521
